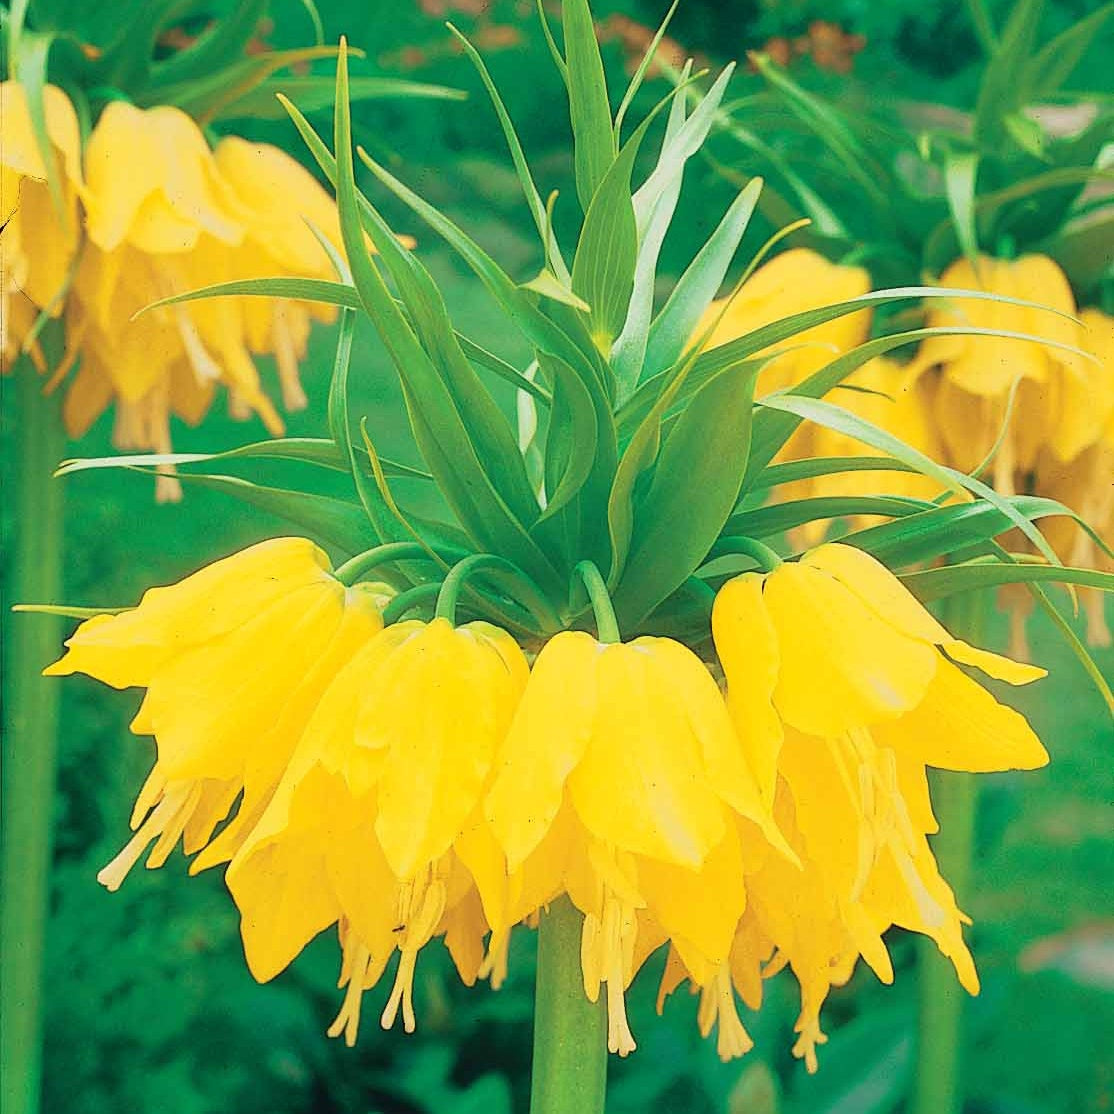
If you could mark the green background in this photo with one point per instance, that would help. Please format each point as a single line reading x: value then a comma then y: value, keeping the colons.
x: 149, y: 1004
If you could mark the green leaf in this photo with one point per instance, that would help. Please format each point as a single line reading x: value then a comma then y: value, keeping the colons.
x: 603, y: 268
x: 223, y: 43
x: 629, y: 351
x: 678, y: 148
x: 695, y: 485
x: 538, y: 329
x: 933, y: 533
x: 385, y: 524
x: 773, y: 430
x: 593, y: 139
x: 518, y: 157
x: 765, y: 522
x: 961, y: 170
x: 1002, y: 90
x: 934, y: 584
x: 347, y: 297
x: 673, y: 327
x: 791, y: 471
x: 1084, y: 252
x: 548, y: 285
x: 330, y: 521
x: 570, y: 447
x: 441, y: 435
x: 486, y: 425
x: 843, y: 421
x: 640, y: 73
x: 315, y: 94
x: 1055, y: 62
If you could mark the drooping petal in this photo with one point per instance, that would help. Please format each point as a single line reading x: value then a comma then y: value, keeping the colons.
x: 960, y: 726
x: 746, y: 643
x: 546, y: 740
x: 841, y: 665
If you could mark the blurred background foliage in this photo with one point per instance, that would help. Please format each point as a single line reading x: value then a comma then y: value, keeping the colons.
x: 150, y: 1006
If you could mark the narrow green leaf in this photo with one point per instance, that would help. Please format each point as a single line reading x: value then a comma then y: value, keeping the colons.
x: 385, y: 524
x: 30, y: 66
x: 330, y: 521
x: 960, y: 172
x: 440, y: 433
x: 772, y: 431
x: 1002, y: 90
x: 673, y: 327
x: 934, y: 584
x: 593, y: 139
x: 765, y: 522
x: 315, y: 94
x: 521, y: 166
x: 695, y: 485
x: 570, y: 447
x: 1055, y: 62
x: 679, y: 148
x: 222, y: 43
x: 934, y: 533
x: 791, y: 471
x: 548, y: 285
x: 843, y: 421
x: 640, y: 73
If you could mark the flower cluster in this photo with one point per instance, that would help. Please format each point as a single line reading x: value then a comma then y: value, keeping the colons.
x: 1041, y: 414
x: 404, y: 779
x: 144, y: 211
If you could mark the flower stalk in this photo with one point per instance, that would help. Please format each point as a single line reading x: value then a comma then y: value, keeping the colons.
x: 30, y: 730
x: 569, y: 1074
x: 937, y: 1086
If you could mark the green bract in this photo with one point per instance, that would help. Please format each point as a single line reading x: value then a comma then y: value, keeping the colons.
x: 642, y: 451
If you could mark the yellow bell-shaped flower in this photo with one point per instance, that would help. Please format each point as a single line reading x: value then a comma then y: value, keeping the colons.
x: 975, y: 375
x: 387, y: 771
x: 626, y: 749
x: 234, y: 659
x: 41, y: 230
x: 848, y: 647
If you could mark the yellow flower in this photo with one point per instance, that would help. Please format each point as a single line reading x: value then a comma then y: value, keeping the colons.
x: 387, y: 774
x: 1083, y: 483
x: 161, y: 214
x: 39, y: 240
x: 793, y: 282
x: 233, y: 659
x: 975, y: 374
x: 627, y: 751
x: 843, y: 689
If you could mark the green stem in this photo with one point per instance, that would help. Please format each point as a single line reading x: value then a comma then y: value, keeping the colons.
x: 607, y: 627
x: 758, y: 551
x: 359, y: 566
x: 30, y: 729
x: 529, y: 593
x: 408, y: 600
x: 937, y: 1086
x: 569, y: 1074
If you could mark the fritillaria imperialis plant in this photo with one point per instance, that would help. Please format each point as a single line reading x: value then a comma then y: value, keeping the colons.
x: 598, y: 695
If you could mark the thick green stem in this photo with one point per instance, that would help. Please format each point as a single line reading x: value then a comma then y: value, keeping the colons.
x: 937, y: 1086
x: 30, y: 728
x: 570, y: 1033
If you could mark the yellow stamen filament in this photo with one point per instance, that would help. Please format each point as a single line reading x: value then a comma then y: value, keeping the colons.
x: 165, y: 824
x: 717, y: 1005
x: 355, y: 962
x: 607, y: 956
x: 421, y: 906
x: 494, y: 966
x: 286, y: 357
